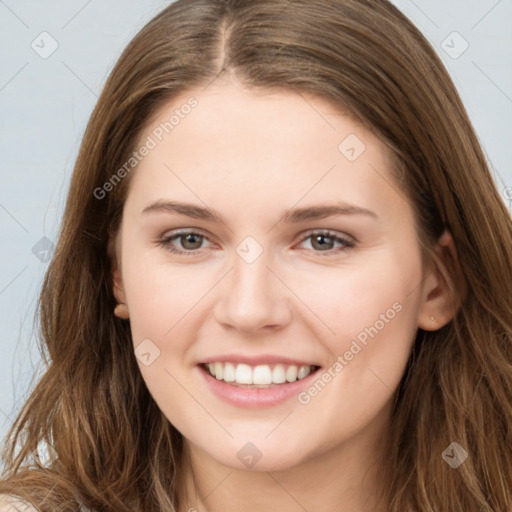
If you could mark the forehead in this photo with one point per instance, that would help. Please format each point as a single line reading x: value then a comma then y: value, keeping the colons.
x: 281, y: 145
x: 227, y: 107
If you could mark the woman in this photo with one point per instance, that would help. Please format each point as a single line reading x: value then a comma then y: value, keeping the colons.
x: 338, y: 334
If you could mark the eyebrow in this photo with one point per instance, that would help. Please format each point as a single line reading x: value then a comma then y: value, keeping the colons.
x: 292, y: 216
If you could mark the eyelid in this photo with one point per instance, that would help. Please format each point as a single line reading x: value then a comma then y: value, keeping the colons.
x: 184, y: 231
x: 301, y: 236
x: 330, y: 232
x: 348, y: 241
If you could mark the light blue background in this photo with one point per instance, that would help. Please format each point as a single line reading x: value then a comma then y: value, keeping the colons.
x: 45, y: 104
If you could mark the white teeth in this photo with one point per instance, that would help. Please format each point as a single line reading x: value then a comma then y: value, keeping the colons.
x: 291, y: 373
x: 229, y: 372
x: 262, y: 375
x: 243, y: 373
x: 304, y: 371
x: 278, y: 374
x: 219, y: 371
x: 259, y: 376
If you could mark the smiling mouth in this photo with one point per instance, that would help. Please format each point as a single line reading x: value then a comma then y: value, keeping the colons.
x: 261, y: 376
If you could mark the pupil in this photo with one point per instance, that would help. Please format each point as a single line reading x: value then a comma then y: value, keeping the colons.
x: 187, y: 240
x: 322, y: 237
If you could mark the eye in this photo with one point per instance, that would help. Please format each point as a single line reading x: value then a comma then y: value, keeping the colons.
x: 191, y: 242
x: 324, y: 242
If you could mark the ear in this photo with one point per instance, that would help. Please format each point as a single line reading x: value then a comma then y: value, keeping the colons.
x: 443, y: 286
x: 121, y: 309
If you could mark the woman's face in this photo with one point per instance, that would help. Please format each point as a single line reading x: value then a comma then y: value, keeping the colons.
x: 294, y: 250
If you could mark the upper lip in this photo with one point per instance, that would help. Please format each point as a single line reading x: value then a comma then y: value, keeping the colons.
x: 256, y: 360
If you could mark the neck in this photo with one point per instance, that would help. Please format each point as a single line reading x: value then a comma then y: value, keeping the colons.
x: 344, y: 478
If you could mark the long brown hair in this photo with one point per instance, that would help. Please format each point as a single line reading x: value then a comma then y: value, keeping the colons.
x: 115, y: 449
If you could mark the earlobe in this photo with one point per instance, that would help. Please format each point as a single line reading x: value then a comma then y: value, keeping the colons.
x: 443, y: 287
x: 121, y: 309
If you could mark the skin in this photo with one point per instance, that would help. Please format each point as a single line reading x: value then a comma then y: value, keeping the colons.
x: 250, y: 156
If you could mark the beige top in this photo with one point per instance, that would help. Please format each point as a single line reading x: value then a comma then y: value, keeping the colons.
x: 14, y: 504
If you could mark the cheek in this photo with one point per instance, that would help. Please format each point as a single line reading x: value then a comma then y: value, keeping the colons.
x: 349, y: 302
x: 163, y: 304
x: 370, y: 309
x: 372, y: 315
x: 374, y: 327
x: 160, y: 294
x: 383, y: 293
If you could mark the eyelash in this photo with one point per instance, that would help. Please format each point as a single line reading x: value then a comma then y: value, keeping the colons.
x: 347, y: 243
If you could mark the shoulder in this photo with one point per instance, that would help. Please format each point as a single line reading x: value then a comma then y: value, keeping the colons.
x: 10, y: 503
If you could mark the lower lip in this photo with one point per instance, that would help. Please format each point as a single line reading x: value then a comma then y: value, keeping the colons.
x: 255, y: 397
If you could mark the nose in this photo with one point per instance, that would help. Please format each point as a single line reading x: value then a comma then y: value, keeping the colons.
x: 253, y: 298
